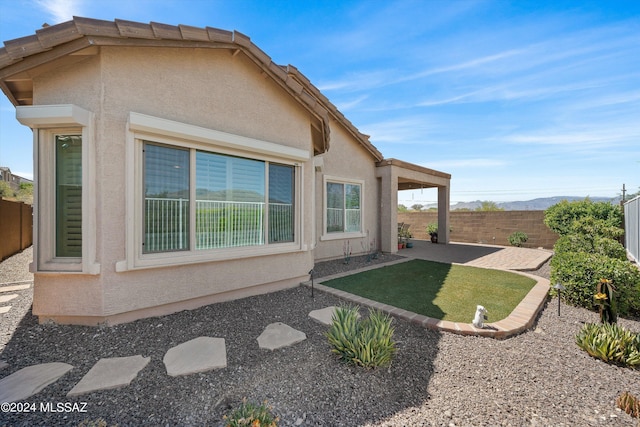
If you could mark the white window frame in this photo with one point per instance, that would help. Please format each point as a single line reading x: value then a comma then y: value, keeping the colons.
x: 47, y: 121
x: 342, y: 235
x: 143, y: 128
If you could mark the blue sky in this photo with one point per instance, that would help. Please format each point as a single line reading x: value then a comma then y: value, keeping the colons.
x: 516, y: 100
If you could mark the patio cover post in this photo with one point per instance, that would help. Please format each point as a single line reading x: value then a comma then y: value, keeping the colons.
x: 388, y: 210
x: 443, y: 213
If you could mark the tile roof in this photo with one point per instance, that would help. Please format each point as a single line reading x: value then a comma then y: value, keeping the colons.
x: 63, y: 40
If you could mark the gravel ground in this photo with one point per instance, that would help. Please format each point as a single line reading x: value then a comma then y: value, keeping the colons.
x: 537, y: 378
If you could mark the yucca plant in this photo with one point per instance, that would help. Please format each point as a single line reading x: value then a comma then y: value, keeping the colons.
x: 610, y: 343
x: 367, y: 342
x: 629, y: 404
x: 251, y: 415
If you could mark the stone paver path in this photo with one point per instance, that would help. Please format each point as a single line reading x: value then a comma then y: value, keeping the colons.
x: 278, y: 335
x: 7, y: 298
x: 110, y: 373
x: 198, y: 355
x: 30, y: 380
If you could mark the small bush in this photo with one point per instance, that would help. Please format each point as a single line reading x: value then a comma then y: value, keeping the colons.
x: 367, y: 342
x: 581, y: 272
x: 629, y: 404
x: 610, y: 343
x: 517, y: 238
x: 251, y: 415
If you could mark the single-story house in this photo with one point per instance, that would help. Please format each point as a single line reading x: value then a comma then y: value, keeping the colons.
x: 178, y: 166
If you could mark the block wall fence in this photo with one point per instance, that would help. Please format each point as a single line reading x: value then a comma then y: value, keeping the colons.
x: 492, y: 227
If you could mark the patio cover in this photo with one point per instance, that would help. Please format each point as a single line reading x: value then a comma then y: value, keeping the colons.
x: 396, y: 175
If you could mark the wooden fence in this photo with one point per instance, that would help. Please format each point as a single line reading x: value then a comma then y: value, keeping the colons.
x: 16, y: 227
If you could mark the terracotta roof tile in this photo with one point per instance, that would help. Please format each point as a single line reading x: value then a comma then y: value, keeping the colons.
x: 23, y: 47
x: 164, y: 31
x: 194, y: 33
x: 217, y: 35
x: 136, y: 30
x: 62, y: 33
x: 96, y: 27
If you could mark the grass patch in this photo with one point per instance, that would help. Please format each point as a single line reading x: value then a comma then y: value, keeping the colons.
x: 442, y: 291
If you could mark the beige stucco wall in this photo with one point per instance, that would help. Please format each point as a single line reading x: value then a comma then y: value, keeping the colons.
x: 348, y: 160
x: 203, y: 87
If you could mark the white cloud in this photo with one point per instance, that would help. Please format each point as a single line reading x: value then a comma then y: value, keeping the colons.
x: 60, y: 10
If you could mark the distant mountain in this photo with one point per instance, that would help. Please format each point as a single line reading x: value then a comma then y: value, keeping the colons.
x: 539, y: 204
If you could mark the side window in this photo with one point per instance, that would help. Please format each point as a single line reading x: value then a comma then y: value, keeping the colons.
x: 344, y: 213
x: 68, y: 196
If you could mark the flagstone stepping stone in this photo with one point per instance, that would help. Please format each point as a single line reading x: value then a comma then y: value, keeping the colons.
x: 30, y: 380
x: 278, y: 335
x: 5, y: 309
x: 3, y: 364
x: 14, y: 288
x: 325, y: 315
x: 5, y: 298
x: 110, y: 373
x: 198, y: 355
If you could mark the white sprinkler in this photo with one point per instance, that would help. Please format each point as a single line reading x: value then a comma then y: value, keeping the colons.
x: 481, y: 316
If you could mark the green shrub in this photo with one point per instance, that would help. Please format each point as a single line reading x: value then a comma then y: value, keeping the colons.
x: 251, y: 415
x: 610, y: 343
x: 629, y: 404
x: 594, y: 227
x: 560, y: 217
x: 363, y: 342
x: 517, y: 238
x: 581, y: 272
x: 593, y: 245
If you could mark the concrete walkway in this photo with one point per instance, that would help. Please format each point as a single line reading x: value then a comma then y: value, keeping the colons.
x: 514, y: 259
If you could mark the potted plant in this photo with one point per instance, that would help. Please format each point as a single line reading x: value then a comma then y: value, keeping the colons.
x: 432, y: 231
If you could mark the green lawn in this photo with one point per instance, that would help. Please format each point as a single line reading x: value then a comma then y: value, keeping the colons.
x: 438, y: 290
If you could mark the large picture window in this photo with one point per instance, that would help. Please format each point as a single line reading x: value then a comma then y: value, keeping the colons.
x: 344, y: 213
x: 236, y: 201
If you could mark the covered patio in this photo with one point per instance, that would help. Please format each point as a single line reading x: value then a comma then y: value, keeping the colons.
x: 396, y: 175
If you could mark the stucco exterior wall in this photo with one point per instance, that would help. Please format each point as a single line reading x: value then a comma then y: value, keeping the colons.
x: 347, y: 160
x: 204, y: 87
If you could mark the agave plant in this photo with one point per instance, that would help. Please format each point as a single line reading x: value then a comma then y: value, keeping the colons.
x: 611, y: 343
x: 367, y: 342
x: 629, y: 403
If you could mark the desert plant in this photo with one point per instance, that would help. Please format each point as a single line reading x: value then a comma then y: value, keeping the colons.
x: 629, y: 404
x: 251, y: 415
x: 517, y: 238
x: 580, y: 273
x: 606, y: 302
x: 363, y: 342
x: 610, y: 343
x: 346, y: 252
